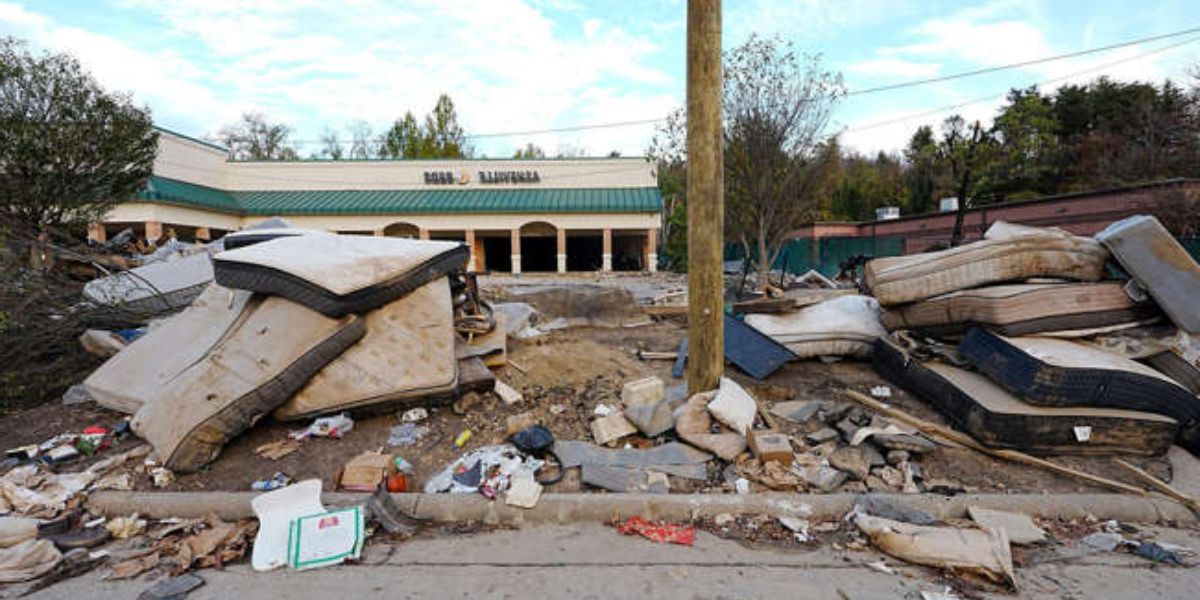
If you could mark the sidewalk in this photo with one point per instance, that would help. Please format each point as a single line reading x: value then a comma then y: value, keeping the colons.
x: 593, y: 561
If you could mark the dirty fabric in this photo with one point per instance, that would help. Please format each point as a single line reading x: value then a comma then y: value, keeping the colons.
x: 983, y: 552
x: 663, y: 533
x: 693, y: 423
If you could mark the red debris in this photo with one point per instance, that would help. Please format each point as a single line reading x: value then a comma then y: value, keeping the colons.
x: 684, y: 535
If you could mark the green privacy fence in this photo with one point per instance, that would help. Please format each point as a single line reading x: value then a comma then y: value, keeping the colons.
x: 825, y: 255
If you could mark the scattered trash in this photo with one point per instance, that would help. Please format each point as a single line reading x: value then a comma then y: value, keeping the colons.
x: 486, y: 470
x: 134, y: 566
x: 331, y: 427
x: 742, y: 485
x: 880, y: 507
x: 277, y: 449
x: 881, y: 391
x: 1020, y: 529
x: 602, y: 410
x: 328, y: 538
x: 275, y: 511
x: 406, y: 434
x: 125, y: 527
x: 415, y: 415
x: 771, y: 446
x: 162, y: 477
x: 174, y: 588
x: 684, y: 535
x: 1156, y: 553
x: 462, y: 438
x: 274, y: 482
x: 558, y: 409
x: 946, y: 594
x: 797, y: 526
x: 382, y: 508
x: 881, y: 567
x: 981, y: 551
x: 734, y: 407
x: 365, y: 472
x: 523, y: 490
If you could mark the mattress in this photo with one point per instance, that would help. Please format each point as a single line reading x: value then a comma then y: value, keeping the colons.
x: 843, y: 326
x: 994, y: 416
x: 1159, y: 264
x: 159, y: 287
x: 407, y: 353
x: 338, y: 275
x: 1022, y: 309
x: 265, y: 358
x: 1051, y: 372
x: 1007, y: 253
x: 134, y: 375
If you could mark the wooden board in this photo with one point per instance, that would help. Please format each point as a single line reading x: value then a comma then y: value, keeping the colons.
x: 978, y: 406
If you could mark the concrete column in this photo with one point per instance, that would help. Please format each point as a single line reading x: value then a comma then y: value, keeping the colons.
x: 203, y: 234
x: 562, y: 250
x: 606, y: 256
x: 472, y: 263
x: 516, y: 251
x: 96, y: 232
x: 424, y: 234
x: 154, y: 230
x: 651, y: 250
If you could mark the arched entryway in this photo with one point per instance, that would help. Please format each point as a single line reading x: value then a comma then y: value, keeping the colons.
x: 402, y: 230
x: 539, y: 247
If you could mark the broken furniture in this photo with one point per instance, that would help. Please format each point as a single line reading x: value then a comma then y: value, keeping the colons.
x: 1159, y: 264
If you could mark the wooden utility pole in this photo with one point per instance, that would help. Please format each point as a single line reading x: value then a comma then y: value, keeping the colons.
x: 705, y: 197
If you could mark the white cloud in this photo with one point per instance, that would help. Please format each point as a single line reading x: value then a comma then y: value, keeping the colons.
x: 892, y: 67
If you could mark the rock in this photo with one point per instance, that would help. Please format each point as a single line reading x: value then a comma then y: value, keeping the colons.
x: 519, y: 422
x: 823, y: 477
x: 832, y: 412
x: 876, y: 484
x: 677, y: 394
x: 847, y: 428
x: 917, y: 473
x: 643, y: 392
x: 880, y: 507
x: 465, y: 403
x: 913, y: 444
x: 821, y: 436
x: 860, y: 416
x: 723, y: 519
x: 611, y: 428
x: 798, y: 410
x: 652, y: 420
x: 875, y: 457
x: 892, y: 476
x: 506, y: 393
x: 854, y: 487
x: 770, y: 446
x: 852, y: 460
x: 895, y: 457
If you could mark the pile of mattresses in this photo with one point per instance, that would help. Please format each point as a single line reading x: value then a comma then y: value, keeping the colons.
x: 294, y: 327
x: 1050, y: 355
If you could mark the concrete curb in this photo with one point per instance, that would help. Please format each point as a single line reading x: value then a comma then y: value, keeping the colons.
x: 569, y: 508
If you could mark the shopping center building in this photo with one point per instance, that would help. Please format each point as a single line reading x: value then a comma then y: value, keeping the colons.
x: 588, y: 214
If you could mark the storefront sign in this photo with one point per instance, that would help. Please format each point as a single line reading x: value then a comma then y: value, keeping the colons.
x: 486, y: 177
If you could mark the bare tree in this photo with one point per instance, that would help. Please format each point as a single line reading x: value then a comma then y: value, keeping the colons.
x: 254, y: 138
x: 967, y: 155
x: 777, y: 150
x: 331, y: 145
x: 363, y: 144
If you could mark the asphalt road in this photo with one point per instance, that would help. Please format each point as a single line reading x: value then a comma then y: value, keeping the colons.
x: 593, y: 561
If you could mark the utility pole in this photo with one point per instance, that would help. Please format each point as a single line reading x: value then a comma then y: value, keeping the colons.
x: 705, y: 197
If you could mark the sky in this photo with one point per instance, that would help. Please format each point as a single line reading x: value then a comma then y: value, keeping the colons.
x: 532, y: 65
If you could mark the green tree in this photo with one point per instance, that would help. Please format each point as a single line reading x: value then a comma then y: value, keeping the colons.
x: 442, y: 136
x: 920, y: 174
x: 402, y: 140
x: 967, y: 151
x: 778, y: 154
x: 1028, y: 158
x: 530, y: 151
x: 69, y: 150
x: 256, y: 138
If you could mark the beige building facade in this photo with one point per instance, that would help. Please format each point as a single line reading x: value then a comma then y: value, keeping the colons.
x: 552, y: 215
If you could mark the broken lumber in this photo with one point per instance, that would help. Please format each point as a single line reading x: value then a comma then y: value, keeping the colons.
x: 956, y: 436
x: 1162, y: 486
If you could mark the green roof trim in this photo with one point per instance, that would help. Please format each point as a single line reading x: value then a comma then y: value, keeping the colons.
x: 343, y: 202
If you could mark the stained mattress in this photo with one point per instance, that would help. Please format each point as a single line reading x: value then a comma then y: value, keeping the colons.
x: 994, y: 416
x: 1051, y: 372
x: 134, y: 375
x: 267, y: 356
x: 160, y: 287
x: 1007, y: 253
x: 843, y: 326
x: 338, y: 275
x: 1023, y: 309
x: 407, y: 353
x: 1156, y: 260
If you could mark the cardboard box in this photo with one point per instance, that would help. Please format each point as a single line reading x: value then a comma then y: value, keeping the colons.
x: 364, y: 472
x: 771, y: 446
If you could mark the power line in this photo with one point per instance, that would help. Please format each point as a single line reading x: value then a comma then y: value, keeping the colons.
x: 1036, y: 61
x: 943, y: 109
